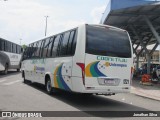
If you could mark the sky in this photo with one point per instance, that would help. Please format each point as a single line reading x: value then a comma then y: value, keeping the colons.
x: 25, y: 19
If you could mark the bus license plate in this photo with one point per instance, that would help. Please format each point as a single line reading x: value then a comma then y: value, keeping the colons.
x: 109, y: 81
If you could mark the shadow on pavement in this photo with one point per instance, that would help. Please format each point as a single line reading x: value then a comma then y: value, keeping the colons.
x: 89, y: 103
x: 10, y: 73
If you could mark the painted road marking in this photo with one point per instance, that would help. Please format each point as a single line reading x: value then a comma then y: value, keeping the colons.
x: 10, y: 83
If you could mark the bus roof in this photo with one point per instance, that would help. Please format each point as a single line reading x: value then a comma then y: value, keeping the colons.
x: 97, y: 25
x: 9, y: 41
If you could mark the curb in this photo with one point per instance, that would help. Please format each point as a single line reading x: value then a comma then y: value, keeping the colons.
x: 145, y: 93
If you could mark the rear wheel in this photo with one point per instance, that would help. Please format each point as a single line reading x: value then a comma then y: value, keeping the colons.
x: 86, y: 94
x: 48, y: 86
x: 6, y: 70
x: 24, y: 79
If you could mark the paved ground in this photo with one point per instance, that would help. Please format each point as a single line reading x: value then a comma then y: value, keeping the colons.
x: 17, y: 96
x: 150, y: 91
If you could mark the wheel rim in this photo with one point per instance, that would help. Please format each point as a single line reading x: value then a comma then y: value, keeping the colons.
x: 48, y: 86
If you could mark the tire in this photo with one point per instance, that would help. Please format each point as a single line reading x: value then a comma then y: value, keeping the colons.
x: 24, y: 79
x: 18, y: 70
x: 87, y: 94
x: 48, y: 86
x: 6, y: 70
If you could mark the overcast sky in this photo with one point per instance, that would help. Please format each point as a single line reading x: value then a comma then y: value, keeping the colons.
x: 24, y: 19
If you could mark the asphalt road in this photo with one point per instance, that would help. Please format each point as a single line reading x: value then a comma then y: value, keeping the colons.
x: 17, y: 96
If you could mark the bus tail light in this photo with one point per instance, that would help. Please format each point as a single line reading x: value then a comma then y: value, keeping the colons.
x: 82, y: 66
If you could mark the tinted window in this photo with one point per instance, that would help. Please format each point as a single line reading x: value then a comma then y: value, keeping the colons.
x: 50, y: 45
x: 69, y: 49
x: 74, y: 41
x: 9, y: 47
x: 55, y: 46
x: 33, y: 50
x: 45, y: 47
x: 37, y: 54
x: 6, y: 46
x: 107, y: 42
x: 2, y: 45
x: 14, y: 48
x: 64, y: 44
x: 29, y: 51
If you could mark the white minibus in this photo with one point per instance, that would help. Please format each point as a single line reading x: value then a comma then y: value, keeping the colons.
x: 90, y: 59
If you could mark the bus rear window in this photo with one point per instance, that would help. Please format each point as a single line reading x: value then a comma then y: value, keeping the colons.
x: 107, y: 42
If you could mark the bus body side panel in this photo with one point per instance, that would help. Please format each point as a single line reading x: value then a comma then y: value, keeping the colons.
x: 2, y: 67
x: 4, y: 58
x: 12, y: 59
x: 33, y: 70
x: 28, y: 68
x: 38, y: 70
x: 79, y: 57
x: 61, y: 71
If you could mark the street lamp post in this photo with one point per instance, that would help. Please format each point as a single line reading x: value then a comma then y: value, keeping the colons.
x: 46, y: 25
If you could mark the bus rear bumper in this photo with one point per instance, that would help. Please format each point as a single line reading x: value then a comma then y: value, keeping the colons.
x: 79, y: 87
x: 107, y: 90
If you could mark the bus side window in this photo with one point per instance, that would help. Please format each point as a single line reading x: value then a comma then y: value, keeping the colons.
x: 14, y: 48
x: 64, y: 44
x: 50, y: 45
x: 9, y: 47
x: 28, y: 52
x: 72, y: 43
x: 55, y: 46
x: 2, y: 45
x: 35, y: 49
x: 69, y: 50
x: 32, y: 50
x: 45, y: 47
x: 38, y: 49
x: 5, y: 46
x: 59, y: 44
x: 41, y: 48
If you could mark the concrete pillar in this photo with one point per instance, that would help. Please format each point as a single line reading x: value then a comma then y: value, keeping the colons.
x: 148, y: 63
x: 137, y: 64
x: 156, y: 35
